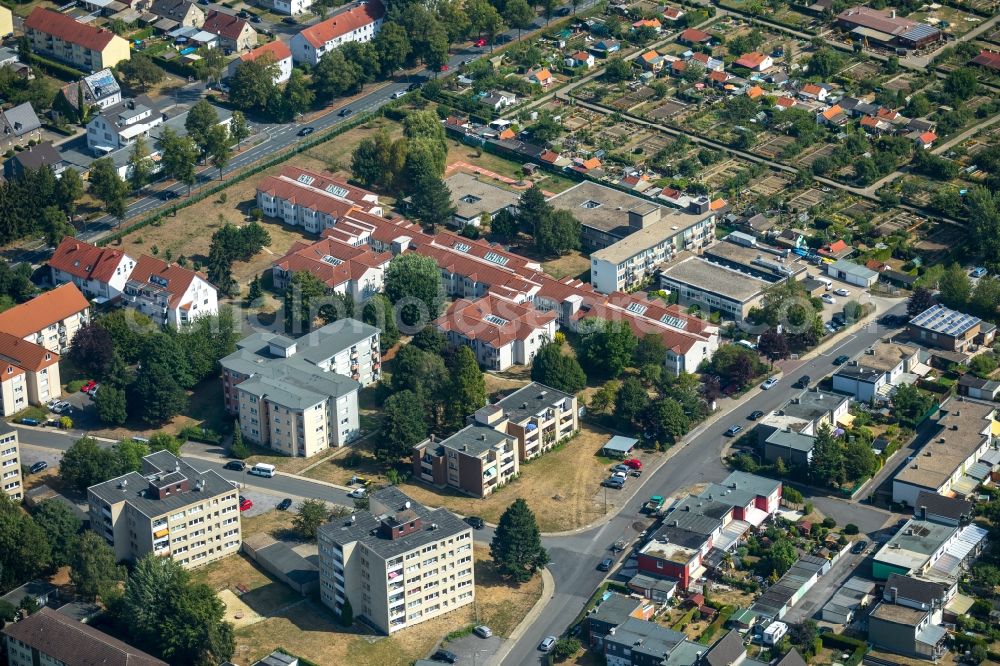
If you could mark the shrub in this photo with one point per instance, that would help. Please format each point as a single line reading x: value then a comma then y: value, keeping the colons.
x: 851, y: 528
x: 829, y: 523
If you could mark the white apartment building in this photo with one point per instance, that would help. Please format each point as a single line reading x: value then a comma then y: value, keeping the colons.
x: 399, y: 563
x: 50, y: 319
x: 277, y: 51
x: 121, y: 124
x: 170, y: 509
x: 359, y: 24
x: 10, y: 462
x: 315, y: 200
x: 169, y: 294
x: 98, y: 272
x: 301, y: 396
x: 29, y: 374
x: 62, y: 37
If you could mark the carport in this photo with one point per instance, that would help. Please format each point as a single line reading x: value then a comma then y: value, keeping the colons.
x: 619, y: 447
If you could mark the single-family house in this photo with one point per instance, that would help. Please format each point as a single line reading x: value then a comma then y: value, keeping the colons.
x: 833, y: 116
x: 783, y: 102
x: 837, y: 249
x: 234, y: 33
x: 19, y: 125
x: 177, y: 13
x: 673, y: 13
x: 988, y: 59
x: 606, y: 47
x: 580, y: 59
x: 653, y: 23
x: 813, y: 92
x: 40, y: 156
x: 708, y: 62
x: 652, y: 61
x: 542, y: 77
x: 719, y: 78
x: 755, y: 62
x: 755, y: 92
x: 925, y: 140
x: 694, y: 36
x: 277, y: 52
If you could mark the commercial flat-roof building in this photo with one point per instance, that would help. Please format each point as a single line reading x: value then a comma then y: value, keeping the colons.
x: 472, y: 198
x: 399, y: 562
x: 965, y: 430
x: 168, y: 508
x: 271, y: 381
x: 713, y: 287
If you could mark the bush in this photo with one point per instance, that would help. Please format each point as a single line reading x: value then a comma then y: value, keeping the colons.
x: 836, y: 641
x: 851, y: 528
x: 565, y: 648
x: 829, y: 523
x: 192, y: 433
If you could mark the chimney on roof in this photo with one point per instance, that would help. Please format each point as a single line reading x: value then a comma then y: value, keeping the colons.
x: 893, y: 592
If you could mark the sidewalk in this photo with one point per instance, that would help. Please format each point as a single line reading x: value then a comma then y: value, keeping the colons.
x: 548, y: 592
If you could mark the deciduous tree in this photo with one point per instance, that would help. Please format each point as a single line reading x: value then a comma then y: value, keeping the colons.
x: 311, y: 514
x: 554, y: 368
x: 93, y: 569
x: 61, y: 527
x: 413, y: 284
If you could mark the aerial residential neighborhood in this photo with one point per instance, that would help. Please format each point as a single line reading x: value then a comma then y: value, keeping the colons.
x: 492, y: 332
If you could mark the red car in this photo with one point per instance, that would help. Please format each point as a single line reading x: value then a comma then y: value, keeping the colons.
x: 88, y: 387
x: 245, y: 503
x: 445, y: 67
x: 634, y: 463
x: 479, y: 42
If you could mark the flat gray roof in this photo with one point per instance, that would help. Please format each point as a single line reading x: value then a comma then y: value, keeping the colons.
x: 530, y: 400
x: 672, y: 223
x: 472, y: 197
x: 713, y: 278
x: 791, y: 440
x: 914, y: 543
x: 811, y: 405
x: 475, y: 440
x: 759, y: 258
x: 601, y: 207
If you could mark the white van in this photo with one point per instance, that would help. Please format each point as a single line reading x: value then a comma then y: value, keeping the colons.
x: 828, y: 285
x: 262, y: 469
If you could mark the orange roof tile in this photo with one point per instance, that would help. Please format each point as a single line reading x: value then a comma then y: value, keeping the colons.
x: 43, y: 311
x: 341, y: 24
x: 751, y: 60
x: 695, y: 36
x: 755, y: 92
x: 86, y: 261
x: 24, y: 355
x: 277, y: 49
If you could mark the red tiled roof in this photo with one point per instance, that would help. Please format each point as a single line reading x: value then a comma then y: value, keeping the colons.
x: 177, y: 278
x: 987, y: 58
x: 785, y: 102
x: 224, y: 25
x: 718, y: 77
x: 355, y: 261
x: 86, y: 261
x: 25, y: 355
x: 341, y: 24
x: 43, y: 310
x: 548, y: 156
x: 672, y: 13
x: 751, y: 60
x: 68, y: 30
x: 833, y: 112
x: 469, y: 319
x: 928, y: 137
x: 277, y: 49
x: 812, y: 89
x: 836, y: 247
x: 694, y: 35
x: 647, y: 23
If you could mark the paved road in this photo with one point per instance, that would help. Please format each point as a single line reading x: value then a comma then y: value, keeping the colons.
x: 575, y: 557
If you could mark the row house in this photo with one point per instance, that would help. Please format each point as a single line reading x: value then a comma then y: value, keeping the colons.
x: 359, y: 24
x: 312, y: 200
x: 50, y: 319
x: 62, y: 37
x: 488, y: 452
x: 717, y: 518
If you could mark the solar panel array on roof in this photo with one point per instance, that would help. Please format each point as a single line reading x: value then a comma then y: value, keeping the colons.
x: 637, y: 308
x: 493, y: 319
x: 675, y: 322
x: 920, y: 31
x: 946, y: 321
x: 496, y: 258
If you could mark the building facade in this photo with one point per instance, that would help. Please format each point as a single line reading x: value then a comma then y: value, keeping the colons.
x: 10, y: 462
x: 169, y: 509
x: 29, y: 374
x: 359, y: 24
x: 98, y: 272
x: 399, y: 563
x: 121, y: 124
x: 169, y: 294
x: 50, y: 319
x: 277, y: 52
x: 63, y: 38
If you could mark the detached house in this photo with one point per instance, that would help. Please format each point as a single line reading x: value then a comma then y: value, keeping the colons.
x: 360, y: 24
x: 119, y: 125
x: 580, y: 59
x: 694, y: 36
x: 652, y: 61
x: 99, y: 272
x: 648, y: 23
x: 60, y: 36
x: 277, y: 51
x: 234, y: 33
x: 833, y: 116
x: 755, y: 62
x: 168, y: 293
x: 813, y: 91
x: 542, y: 77
x: 175, y: 14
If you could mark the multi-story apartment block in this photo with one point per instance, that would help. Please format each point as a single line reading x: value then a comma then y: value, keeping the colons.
x: 300, y: 396
x: 51, y: 638
x: 99, y: 272
x: 169, y: 294
x: 50, y: 319
x: 359, y: 24
x: 29, y: 374
x: 488, y: 453
x: 169, y: 509
x: 351, y: 270
x: 499, y: 332
x: 121, y: 124
x: 399, y: 563
x: 315, y: 201
x: 62, y: 37
x: 278, y: 53
x: 10, y: 462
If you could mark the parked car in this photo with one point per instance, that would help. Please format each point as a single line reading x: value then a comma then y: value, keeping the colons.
x: 93, y: 390
x: 88, y: 386
x: 827, y: 298
x: 398, y: 94
x: 479, y: 43
x: 306, y: 131
x: 605, y: 564
x: 614, y: 482
x: 39, y: 466
x: 804, y: 381
x: 547, y: 643
x: 289, y: 20
x: 245, y: 503
x: 446, y: 656
x: 285, y: 504
x: 357, y: 493
x: 769, y: 383
x: 30, y: 422
x: 237, y: 465
x: 841, y: 360
x: 977, y: 272
x: 634, y: 463
x: 255, y: 19
x: 734, y: 430
x: 859, y: 547
x: 563, y: 11
x: 414, y: 86
x: 842, y: 292
x: 61, y: 407
x: 755, y: 414
x: 482, y: 631
x: 621, y: 468
x: 475, y: 522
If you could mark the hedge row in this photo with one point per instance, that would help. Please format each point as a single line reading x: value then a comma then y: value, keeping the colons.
x: 832, y: 640
x: 240, y: 176
x: 53, y: 68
